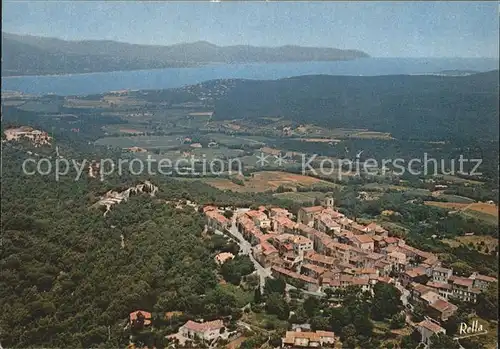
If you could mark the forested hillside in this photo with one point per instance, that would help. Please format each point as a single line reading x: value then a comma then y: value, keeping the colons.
x: 66, y: 277
x: 30, y: 55
x: 409, y: 107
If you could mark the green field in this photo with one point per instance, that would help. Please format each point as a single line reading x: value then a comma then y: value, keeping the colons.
x: 456, y: 198
x: 456, y: 179
x: 409, y: 190
x: 239, y: 140
x: 199, y: 153
x: 481, y: 216
x: 220, y: 153
x: 147, y: 142
x: 41, y: 106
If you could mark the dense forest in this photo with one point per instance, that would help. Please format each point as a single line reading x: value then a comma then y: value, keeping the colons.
x: 409, y: 107
x: 67, y: 280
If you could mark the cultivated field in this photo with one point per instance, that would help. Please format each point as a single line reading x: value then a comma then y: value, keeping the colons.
x: 479, y: 210
x: 266, y: 180
x: 238, y: 140
x: 448, y: 205
x: 384, y: 187
x: 455, y: 179
x: 452, y: 198
x: 147, y: 142
x: 479, y: 207
x: 484, y: 208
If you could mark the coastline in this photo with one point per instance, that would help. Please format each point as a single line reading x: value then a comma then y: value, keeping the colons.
x: 201, y: 65
x: 164, y: 78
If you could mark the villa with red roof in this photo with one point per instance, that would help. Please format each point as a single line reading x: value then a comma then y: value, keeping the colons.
x: 140, y: 314
x: 207, y: 331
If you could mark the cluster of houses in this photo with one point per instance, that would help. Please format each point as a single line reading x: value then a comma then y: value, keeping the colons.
x: 37, y: 137
x: 323, y: 249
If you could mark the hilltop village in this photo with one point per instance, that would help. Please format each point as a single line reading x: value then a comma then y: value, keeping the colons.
x: 321, y: 251
x: 38, y: 138
x: 316, y: 252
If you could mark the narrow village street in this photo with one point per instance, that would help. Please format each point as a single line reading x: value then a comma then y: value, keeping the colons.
x: 246, y: 248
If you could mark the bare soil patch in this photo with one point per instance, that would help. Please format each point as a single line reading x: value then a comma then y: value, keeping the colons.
x: 484, y: 208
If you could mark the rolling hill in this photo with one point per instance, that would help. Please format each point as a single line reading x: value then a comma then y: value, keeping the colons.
x: 408, y: 107
x: 34, y: 55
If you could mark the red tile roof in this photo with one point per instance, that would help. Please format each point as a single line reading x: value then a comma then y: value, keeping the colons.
x: 294, y: 275
x: 422, y: 289
x: 391, y: 240
x: 463, y: 282
x: 217, y: 216
x: 431, y: 326
x: 439, y: 285
x: 328, y: 221
x: 204, y: 326
x: 256, y: 214
x: 147, y: 316
x: 442, y: 305
x: 285, y: 221
x: 485, y: 278
x: 317, y: 269
x: 339, y: 246
x: 416, y: 272
x: 209, y: 208
x: 313, y: 209
x: 358, y: 226
x: 360, y: 281
x: 314, y: 257
x: 326, y: 333
x: 331, y: 282
x: 267, y: 248
x: 280, y: 211
x: 363, y: 239
x: 376, y: 228
x: 291, y: 336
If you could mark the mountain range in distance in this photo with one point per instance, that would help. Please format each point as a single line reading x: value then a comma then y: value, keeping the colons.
x: 35, y: 55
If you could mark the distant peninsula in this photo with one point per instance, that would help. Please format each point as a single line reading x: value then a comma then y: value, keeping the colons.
x: 453, y: 73
x: 35, y: 55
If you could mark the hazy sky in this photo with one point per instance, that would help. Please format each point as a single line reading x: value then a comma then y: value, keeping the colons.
x: 382, y: 29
